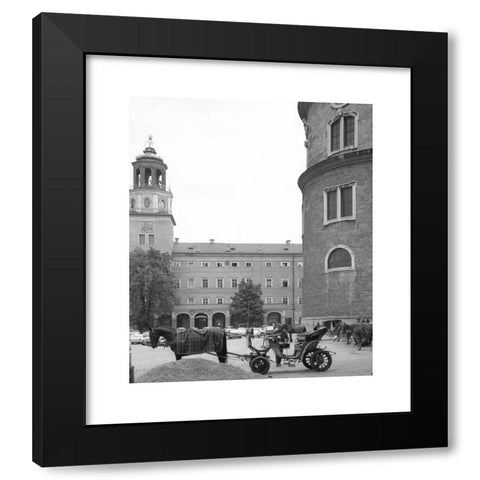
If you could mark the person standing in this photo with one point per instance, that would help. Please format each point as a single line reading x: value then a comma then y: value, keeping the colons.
x: 282, y: 337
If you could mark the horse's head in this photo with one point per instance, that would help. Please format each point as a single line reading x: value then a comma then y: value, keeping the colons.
x: 154, y: 337
x: 155, y: 333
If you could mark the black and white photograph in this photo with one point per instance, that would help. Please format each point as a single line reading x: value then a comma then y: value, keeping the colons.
x: 250, y: 240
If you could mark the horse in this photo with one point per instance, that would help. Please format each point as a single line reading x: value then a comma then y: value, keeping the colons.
x: 192, y: 341
x: 362, y: 334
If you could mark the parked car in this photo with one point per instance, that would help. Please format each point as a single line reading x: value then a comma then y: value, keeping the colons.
x: 257, y: 332
x: 135, y: 337
x: 242, y: 330
x: 232, y: 332
x: 146, y: 338
x: 266, y: 330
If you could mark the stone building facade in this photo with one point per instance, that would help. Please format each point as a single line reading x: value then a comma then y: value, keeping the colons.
x: 207, y: 274
x: 337, y: 212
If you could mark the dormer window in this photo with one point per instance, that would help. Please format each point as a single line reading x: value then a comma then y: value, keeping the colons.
x: 342, y: 133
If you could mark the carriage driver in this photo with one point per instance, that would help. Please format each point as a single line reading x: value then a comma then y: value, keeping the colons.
x: 283, y: 337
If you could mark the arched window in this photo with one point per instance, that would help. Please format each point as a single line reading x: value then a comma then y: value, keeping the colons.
x: 342, y: 133
x: 159, y: 178
x: 147, y: 203
x: 132, y: 203
x: 339, y: 257
x: 148, y: 177
x: 137, y: 177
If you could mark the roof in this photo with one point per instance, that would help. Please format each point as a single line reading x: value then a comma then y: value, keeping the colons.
x: 238, y: 248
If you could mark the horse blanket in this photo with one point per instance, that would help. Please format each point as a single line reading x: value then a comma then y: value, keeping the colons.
x: 194, y: 340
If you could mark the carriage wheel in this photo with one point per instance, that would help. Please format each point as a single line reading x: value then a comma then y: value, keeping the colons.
x: 260, y: 364
x: 321, y: 360
x: 307, y: 358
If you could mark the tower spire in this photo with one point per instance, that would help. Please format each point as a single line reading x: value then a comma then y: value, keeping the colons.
x: 149, y: 146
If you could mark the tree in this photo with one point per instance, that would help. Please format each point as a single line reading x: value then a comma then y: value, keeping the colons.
x: 247, y: 305
x: 152, y: 287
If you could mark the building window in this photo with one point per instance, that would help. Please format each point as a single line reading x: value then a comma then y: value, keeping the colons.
x: 268, y: 282
x: 300, y: 300
x: 339, y: 258
x: 234, y: 282
x: 205, y: 264
x: 268, y: 300
x: 299, y: 264
x: 219, y: 282
x: 204, y: 282
x: 285, y: 264
x: 285, y: 300
x: 151, y: 239
x: 248, y: 264
x: 132, y: 203
x: 342, y: 133
x: 191, y: 301
x: 176, y: 264
x: 247, y: 280
x: 191, y: 264
x: 268, y: 264
x: 190, y: 282
x: 219, y: 301
x: 220, y: 264
x: 234, y: 264
x: 204, y: 301
x: 141, y: 239
x: 285, y: 282
x: 335, y: 136
x: 147, y: 202
x: 300, y: 283
x: 339, y: 203
x: 176, y: 282
x: 348, y: 132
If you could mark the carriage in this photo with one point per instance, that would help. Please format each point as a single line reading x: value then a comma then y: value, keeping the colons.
x: 306, y: 351
x: 213, y: 339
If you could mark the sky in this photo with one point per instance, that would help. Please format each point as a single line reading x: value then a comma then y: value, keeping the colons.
x: 233, y: 165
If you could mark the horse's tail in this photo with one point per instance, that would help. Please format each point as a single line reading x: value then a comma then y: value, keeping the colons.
x: 222, y: 356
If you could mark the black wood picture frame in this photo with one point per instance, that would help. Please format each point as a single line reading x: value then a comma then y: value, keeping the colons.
x: 61, y: 43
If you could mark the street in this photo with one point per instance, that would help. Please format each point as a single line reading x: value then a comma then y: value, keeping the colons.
x: 347, y: 360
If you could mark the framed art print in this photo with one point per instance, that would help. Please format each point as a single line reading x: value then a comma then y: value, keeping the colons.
x: 224, y: 213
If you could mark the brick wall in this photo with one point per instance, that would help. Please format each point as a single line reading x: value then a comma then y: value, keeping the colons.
x: 342, y: 294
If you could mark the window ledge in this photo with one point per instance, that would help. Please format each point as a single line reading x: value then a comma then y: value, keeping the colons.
x: 344, y: 219
x: 346, y: 149
x: 340, y: 269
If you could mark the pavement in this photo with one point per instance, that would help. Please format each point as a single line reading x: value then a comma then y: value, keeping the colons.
x: 347, y: 361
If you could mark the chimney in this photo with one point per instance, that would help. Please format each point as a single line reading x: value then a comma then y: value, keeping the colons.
x: 176, y: 239
x: 212, y: 240
x: 288, y: 242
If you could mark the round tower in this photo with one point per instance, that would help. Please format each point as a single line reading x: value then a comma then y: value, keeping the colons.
x: 151, y: 219
x: 337, y: 212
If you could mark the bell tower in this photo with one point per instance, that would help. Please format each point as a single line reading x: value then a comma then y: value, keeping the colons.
x: 151, y: 219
